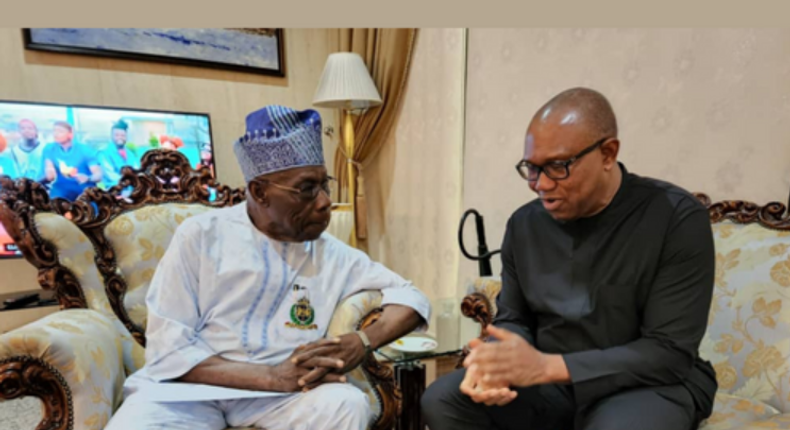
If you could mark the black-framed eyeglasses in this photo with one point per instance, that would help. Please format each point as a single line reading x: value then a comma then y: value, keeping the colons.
x: 308, y: 190
x: 555, y: 170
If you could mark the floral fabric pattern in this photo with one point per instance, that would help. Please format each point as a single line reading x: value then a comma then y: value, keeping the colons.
x: 140, y: 239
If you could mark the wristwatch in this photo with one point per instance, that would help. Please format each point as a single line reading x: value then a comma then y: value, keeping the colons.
x: 365, y: 341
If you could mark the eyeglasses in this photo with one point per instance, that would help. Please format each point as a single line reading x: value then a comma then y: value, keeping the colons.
x: 555, y: 170
x: 309, y: 190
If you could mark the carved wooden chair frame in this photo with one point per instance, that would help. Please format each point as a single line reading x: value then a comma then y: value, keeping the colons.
x: 164, y: 177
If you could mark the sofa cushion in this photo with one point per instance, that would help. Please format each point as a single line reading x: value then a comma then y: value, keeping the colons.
x: 748, y: 337
x: 733, y: 412
x: 76, y: 253
x: 86, y: 348
x: 780, y: 421
x: 139, y: 239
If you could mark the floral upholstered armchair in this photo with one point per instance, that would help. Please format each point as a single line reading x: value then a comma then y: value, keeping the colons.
x: 748, y: 336
x: 99, y: 254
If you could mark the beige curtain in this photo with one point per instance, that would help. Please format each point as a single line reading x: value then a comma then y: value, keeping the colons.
x: 387, y: 54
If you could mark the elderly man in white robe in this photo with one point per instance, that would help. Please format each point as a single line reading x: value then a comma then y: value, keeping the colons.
x: 240, y: 303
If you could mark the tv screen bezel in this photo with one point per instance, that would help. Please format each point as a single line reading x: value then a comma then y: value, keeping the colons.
x: 115, y: 108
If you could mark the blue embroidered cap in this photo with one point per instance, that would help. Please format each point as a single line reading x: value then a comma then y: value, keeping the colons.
x: 279, y: 138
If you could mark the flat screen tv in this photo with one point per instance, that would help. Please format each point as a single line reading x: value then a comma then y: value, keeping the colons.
x: 69, y: 148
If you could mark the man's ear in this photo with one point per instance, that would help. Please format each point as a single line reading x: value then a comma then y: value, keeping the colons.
x: 258, y: 193
x: 609, y: 150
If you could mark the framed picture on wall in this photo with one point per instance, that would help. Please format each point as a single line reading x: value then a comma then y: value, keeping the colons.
x: 254, y: 50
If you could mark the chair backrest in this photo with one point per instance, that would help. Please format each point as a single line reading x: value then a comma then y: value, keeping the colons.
x: 748, y: 336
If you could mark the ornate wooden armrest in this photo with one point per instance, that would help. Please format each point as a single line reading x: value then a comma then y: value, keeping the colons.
x: 71, y: 361
x: 478, y: 307
x: 355, y: 313
x: 383, y: 379
x: 25, y: 375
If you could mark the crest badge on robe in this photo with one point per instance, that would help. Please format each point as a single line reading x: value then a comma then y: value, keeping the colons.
x: 302, y: 312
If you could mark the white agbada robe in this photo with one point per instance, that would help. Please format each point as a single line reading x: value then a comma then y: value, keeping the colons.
x: 224, y: 288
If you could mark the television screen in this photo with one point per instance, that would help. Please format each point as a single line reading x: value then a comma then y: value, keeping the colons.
x: 69, y: 148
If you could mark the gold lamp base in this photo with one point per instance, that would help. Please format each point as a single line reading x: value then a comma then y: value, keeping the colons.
x: 348, y: 137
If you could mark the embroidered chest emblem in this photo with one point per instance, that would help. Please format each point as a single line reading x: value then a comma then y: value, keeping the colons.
x: 302, y: 312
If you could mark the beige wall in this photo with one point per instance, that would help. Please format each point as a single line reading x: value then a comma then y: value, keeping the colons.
x: 226, y: 96
x: 708, y: 109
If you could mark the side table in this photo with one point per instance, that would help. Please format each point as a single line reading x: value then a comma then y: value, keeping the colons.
x: 410, y: 376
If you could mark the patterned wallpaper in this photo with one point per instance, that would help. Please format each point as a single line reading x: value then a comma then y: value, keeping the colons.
x: 707, y: 109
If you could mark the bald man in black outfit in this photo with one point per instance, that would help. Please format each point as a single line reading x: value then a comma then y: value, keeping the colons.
x: 607, y: 281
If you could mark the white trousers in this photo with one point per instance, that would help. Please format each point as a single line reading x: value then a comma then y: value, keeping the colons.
x: 327, y: 407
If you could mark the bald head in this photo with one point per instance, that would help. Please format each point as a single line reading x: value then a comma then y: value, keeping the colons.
x: 581, y: 106
x: 570, y: 151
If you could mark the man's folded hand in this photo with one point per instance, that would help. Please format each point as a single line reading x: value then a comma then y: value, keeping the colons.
x: 306, y: 368
x: 336, y: 356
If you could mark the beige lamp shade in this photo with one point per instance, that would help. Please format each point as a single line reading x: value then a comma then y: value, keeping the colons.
x: 346, y: 84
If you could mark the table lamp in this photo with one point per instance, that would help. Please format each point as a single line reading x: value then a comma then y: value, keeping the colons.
x: 347, y: 85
